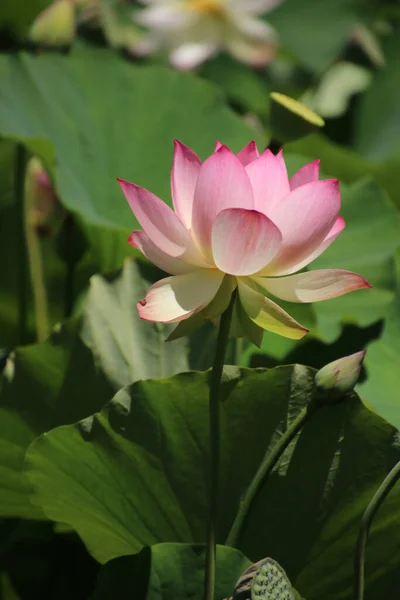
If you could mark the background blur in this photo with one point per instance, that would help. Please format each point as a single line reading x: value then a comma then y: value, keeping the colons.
x: 80, y: 95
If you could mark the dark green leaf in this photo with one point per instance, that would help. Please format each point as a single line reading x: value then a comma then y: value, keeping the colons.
x: 377, y: 122
x: 168, y: 572
x: 18, y: 15
x: 61, y: 381
x: 92, y: 117
x: 124, y: 346
x: 315, y: 31
x: 136, y: 474
x: 381, y: 390
x: 43, y: 386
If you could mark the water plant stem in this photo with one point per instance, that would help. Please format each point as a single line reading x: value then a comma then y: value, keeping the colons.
x: 19, y: 184
x: 269, y: 461
x: 378, y: 499
x: 38, y: 284
x: 69, y: 290
x: 214, y: 416
x: 239, y: 346
x: 70, y: 264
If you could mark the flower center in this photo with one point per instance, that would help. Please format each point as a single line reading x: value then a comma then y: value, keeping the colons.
x: 211, y: 7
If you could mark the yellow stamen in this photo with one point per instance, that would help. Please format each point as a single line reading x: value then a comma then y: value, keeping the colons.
x: 213, y: 7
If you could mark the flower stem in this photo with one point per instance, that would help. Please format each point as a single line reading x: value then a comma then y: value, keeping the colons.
x: 70, y: 264
x: 19, y: 183
x: 238, y: 350
x: 37, y: 274
x: 69, y: 290
x: 366, y: 521
x: 214, y: 415
x: 267, y: 464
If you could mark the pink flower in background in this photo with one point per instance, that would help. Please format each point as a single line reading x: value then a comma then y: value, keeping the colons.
x: 195, y: 30
x: 238, y: 221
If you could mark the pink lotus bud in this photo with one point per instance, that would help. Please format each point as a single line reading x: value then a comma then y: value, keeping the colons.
x: 238, y: 222
x: 41, y: 196
x: 340, y: 376
x: 55, y: 26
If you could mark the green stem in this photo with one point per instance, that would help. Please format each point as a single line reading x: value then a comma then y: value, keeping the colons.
x: 37, y: 274
x: 19, y: 184
x: 267, y: 464
x: 238, y: 350
x: 69, y: 291
x: 214, y: 412
x: 366, y: 521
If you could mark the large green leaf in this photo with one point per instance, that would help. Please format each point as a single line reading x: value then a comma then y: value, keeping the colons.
x: 244, y: 87
x: 315, y: 31
x: 125, y: 347
x: 347, y: 165
x: 366, y: 246
x: 169, y: 572
x: 381, y: 390
x: 43, y: 386
x: 136, y: 474
x: 92, y: 117
x: 61, y: 381
x: 377, y: 123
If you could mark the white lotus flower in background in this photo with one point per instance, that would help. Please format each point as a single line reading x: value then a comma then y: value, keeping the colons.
x: 195, y: 30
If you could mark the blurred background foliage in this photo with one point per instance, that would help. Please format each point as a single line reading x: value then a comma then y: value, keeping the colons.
x: 93, y: 111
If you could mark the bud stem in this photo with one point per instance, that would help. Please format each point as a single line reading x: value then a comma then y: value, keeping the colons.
x: 268, y: 463
x: 20, y: 168
x: 378, y: 499
x: 69, y: 289
x: 37, y: 273
x: 214, y: 415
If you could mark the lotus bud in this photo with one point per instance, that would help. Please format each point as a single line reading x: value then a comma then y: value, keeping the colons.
x: 41, y: 199
x: 55, y: 26
x: 291, y: 120
x: 339, y: 377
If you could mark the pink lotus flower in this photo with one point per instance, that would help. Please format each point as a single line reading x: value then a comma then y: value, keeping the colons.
x: 239, y: 222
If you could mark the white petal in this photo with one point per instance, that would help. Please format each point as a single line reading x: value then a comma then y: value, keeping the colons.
x: 191, y: 55
x: 250, y: 52
x: 254, y: 6
x: 178, y: 297
x: 313, y: 286
x: 168, y: 17
x: 254, y: 29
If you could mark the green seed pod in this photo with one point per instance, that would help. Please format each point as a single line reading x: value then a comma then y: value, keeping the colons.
x: 264, y: 580
x: 291, y: 120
